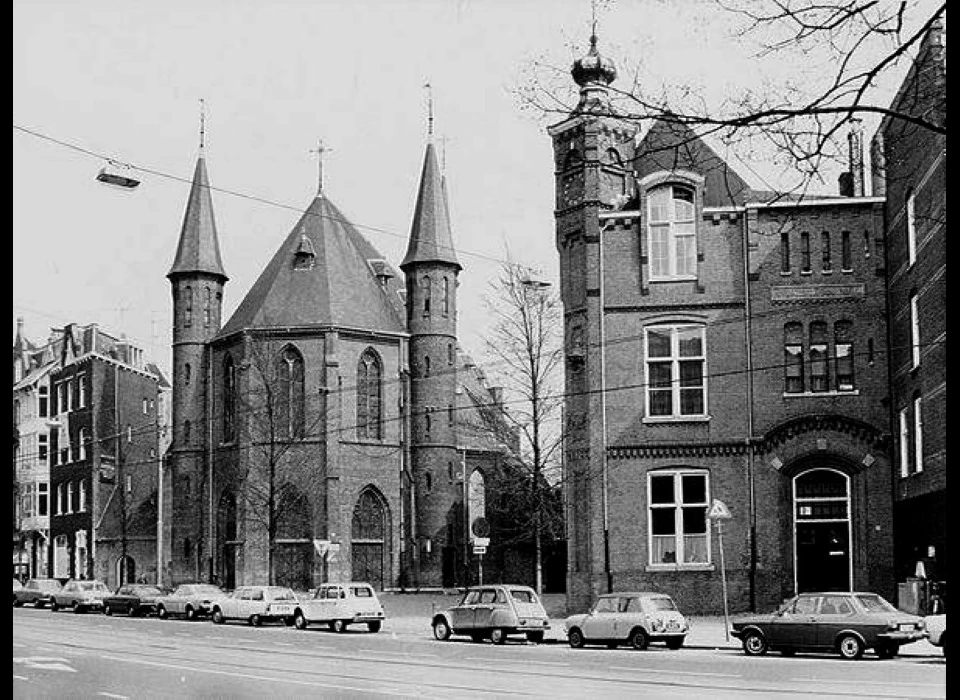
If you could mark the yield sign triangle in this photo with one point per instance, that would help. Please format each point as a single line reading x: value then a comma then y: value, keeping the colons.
x: 718, y: 511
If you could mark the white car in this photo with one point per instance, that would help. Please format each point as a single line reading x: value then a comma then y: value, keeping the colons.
x: 634, y: 619
x: 340, y: 604
x: 189, y: 600
x: 255, y: 605
x: 937, y: 631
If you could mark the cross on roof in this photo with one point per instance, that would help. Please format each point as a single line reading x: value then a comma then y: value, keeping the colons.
x: 319, y: 151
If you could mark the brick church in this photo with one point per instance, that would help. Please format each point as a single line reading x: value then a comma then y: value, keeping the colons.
x: 725, y: 356
x: 322, y: 432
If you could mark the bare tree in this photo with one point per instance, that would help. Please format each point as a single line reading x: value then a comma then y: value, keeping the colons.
x: 855, y: 51
x: 526, y: 348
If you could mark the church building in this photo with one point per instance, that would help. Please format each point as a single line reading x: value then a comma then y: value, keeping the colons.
x: 315, y: 432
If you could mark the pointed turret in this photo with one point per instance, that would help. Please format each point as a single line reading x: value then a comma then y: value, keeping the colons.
x: 199, y: 248
x: 430, y: 238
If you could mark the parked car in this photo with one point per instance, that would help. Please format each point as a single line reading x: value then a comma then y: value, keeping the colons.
x: 255, y: 605
x: 36, y: 591
x: 937, y: 630
x: 847, y: 623
x: 81, y: 595
x: 494, y: 612
x: 189, y: 600
x: 134, y: 599
x: 339, y: 605
x: 635, y: 618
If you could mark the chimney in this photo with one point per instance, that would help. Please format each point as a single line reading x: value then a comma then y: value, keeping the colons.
x: 855, y: 142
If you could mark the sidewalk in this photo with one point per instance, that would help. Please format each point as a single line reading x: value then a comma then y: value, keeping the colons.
x: 410, y: 613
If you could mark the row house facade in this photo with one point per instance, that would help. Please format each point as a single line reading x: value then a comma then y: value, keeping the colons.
x: 88, y: 468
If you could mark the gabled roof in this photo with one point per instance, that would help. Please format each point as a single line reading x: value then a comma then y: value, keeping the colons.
x: 199, y: 249
x: 322, y: 276
x: 430, y: 237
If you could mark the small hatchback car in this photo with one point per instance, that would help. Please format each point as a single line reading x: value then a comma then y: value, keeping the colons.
x: 846, y: 623
x: 81, y: 595
x: 635, y: 619
x: 338, y: 605
x: 255, y: 605
x: 494, y: 612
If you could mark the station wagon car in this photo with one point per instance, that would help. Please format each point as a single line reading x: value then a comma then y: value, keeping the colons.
x: 81, y: 595
x: 189, y: 600
x: 37, y: 591
x: 847, y: 623
x: 494, y: 612
x: 339, y: 605
x: 255, y: 605
x: 629, y: 618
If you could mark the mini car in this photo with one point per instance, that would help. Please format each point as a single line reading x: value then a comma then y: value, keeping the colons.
x: 81, y: 595
x: 494, y: 612
x: 255, y: 605
x: 339, y: 605
x: 937, y: 630
x: 635, y: 618
x: 847, y: 623
x: 133, y: 599
x: 36, y: 591
x: 189, y: 600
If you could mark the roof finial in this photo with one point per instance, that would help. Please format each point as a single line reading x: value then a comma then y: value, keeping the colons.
x: 202, y: 119
x: 319, y: 151
x: 443, y: 153
x: 429, y: 110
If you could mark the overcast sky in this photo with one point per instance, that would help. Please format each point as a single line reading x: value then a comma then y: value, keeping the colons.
x: 124, y: 80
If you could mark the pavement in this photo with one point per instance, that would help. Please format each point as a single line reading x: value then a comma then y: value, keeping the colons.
x: 411, y: 612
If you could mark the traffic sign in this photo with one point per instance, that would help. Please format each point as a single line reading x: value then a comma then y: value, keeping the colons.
x: 718, y: 511
x: 479, y: 549
x: 480, y: 527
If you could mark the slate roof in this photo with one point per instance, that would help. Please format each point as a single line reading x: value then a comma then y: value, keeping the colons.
x: 198, y: 249
x: 430, y: 237
x: 325, y: 273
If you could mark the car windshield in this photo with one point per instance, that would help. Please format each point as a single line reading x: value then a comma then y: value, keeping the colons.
x: 93, y: 586
x: 205, y: 589
x: 282, y: 594
x: 48, y: 585
x: 523, y: 596
x: 658, y: 603
x: 874, y: 603
x: 147, y: 590
x: 361, y: 592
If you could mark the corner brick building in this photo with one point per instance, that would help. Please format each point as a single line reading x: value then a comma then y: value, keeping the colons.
x: 725, y: 347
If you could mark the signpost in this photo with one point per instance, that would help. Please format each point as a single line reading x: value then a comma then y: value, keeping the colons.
x: 480, y: 540
x: 718, y: 513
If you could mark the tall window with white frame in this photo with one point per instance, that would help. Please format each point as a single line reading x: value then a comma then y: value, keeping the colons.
x: 914, y: 330
x: 819, y: 369
x: 793, y: 357
x: 904, y: 435
x: 676, y: 371
x: 678, y: 500
x: 843, y: 354
x: 911, y: 221
x: 671, y: 232
x: 917, y: 434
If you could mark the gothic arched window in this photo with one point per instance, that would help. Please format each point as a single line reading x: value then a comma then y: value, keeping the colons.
x: 188, y: 306
x: 425, y: 289
x: 369, y: 397
x: 290, y: 393
x: 445, y: 297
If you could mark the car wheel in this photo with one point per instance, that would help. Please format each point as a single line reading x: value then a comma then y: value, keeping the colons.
x: 255, y: 621
x: 441, y: 630
x: 639, y: 640
x: 190, y: 613
x: 299, y: 621
x: 338, y: 626
x: 675, y: 643
x: 850, y: 647
x: 218, y: 616
x: 131, y: 611
x: 16, y: 603
x: 575, y: 638
x: 887, y: 651
x: 53, y: 606
x: 754, y: 643
x: 374, y: 626
x: 498, y: 635
x: 77, y: 608
x: 535, y: 637
x: 162, y: 612
x: 107, y: 610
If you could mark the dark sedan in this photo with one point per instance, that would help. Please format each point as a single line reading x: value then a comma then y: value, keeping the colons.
x: 847, y: 623
x: 133, y: 599
x: 37, y: 591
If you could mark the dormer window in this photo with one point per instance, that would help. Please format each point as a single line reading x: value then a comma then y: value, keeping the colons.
x: 671, y: 231
x: 305, y: 255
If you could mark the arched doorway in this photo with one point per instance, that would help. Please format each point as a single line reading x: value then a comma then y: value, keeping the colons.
x: 368, y: 539
x: 821, y: 519
x: 293, y: 554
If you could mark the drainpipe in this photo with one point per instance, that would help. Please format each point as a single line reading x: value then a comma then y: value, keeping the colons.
x: 748, y: 348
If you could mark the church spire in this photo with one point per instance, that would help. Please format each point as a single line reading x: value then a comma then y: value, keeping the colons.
x: 430, y: 236
x: 199, y: 248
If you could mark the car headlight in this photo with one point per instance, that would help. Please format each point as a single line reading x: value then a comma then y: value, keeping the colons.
x: 656, y: 625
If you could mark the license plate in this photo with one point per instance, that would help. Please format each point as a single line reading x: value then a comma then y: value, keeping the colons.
x: 281, y: 609
x: 673, y: 625
x: 906, y: 627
